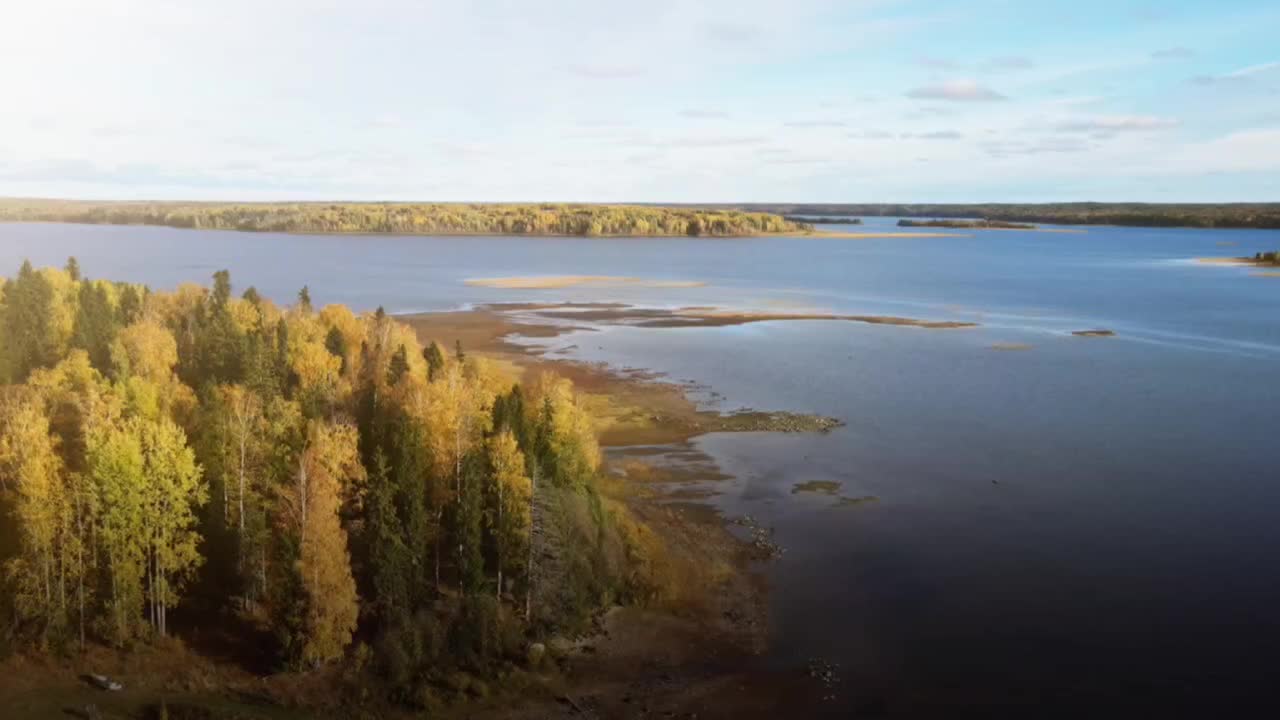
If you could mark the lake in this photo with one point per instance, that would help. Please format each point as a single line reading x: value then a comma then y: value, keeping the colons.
x: 1080, y: 526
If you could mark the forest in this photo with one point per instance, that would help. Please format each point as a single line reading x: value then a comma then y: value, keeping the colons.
x: 409, y: 218
x: 966, y: 224
x: 315, y: 475
x: 1200, y: 215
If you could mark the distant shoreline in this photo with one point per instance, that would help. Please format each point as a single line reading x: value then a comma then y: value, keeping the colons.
x: 853, y: 235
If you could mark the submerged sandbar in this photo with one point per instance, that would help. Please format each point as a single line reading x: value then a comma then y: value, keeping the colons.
x: 556, y: 282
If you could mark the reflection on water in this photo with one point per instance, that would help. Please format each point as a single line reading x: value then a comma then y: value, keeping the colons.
x: 1088, y: 520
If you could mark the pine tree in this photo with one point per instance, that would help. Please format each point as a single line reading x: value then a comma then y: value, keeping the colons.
x: 435, y: 359
x: 389, y: 555
x: 95, y: 324
x: 398, y: 366
x: 27, y: 326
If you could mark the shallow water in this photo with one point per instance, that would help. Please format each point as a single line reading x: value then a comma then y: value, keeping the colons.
x: 1088, y: 523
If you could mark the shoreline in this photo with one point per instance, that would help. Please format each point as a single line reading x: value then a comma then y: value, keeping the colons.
x: 819, y: 234
x: 695, y: 651
x: 1261, y: 268
x: 707, y: 655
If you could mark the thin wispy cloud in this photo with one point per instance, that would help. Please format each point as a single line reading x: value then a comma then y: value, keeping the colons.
x: 1173, y: 53
x: 1009, y: 148
x: 606, y: 72
x: 701, y: 114
x: 1008, y: 63
x: 935, y: 63
x: 385, y: 121
x: 956, y: 91
x: 815, y: 124
x: 1116, y: 123
x: 933, y: 135
x: 1243, y: 73
x: 1254, y: 70
x: 708, y: 141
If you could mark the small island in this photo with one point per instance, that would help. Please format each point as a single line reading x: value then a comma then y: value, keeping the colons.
x: 967, y: 224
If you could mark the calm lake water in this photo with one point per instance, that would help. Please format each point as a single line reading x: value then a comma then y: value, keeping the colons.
x: 1086, y: 526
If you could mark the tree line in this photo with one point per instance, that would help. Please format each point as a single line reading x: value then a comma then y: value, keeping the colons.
x: 314, y: 471
x: 1201, y: 215
x: 409, y: 218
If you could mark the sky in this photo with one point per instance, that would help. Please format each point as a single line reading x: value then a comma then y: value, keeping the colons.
x: 654, y: 101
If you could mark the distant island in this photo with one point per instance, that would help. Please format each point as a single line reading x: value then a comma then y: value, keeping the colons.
x: 410, y: 218
x: 823, y: 220
x: 1197, y: 215
x: 1267, y: 258
x: 967, y: 224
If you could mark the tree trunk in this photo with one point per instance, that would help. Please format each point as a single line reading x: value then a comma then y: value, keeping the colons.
x: 533, y: 524
x: 498, y: 540
x: 80, y: 569
x: 240, y: 499
x: 457, y: 474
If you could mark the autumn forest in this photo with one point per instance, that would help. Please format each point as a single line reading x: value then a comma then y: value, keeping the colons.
x: 317, y: 474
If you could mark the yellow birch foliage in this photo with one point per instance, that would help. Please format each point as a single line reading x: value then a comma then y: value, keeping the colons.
x: 328, y: 467
x: 30, y: 465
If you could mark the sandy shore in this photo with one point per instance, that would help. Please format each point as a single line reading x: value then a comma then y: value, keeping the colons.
x: 1226, y: 261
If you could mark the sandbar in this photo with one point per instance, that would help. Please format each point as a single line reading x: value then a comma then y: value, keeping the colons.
x: 555, y: 282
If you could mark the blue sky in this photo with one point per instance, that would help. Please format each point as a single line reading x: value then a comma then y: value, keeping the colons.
x: 665, y: 100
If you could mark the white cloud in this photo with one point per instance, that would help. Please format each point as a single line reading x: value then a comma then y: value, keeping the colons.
x: 956, y: 90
